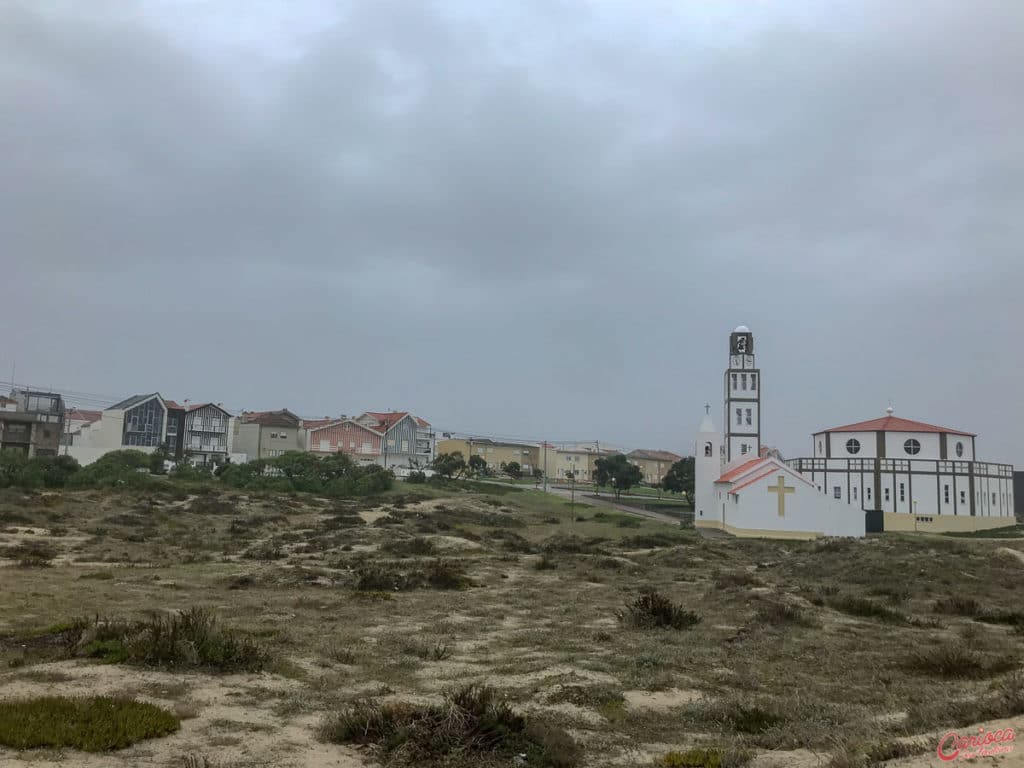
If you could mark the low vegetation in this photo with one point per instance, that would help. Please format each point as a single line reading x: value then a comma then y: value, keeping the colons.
x: 474, y: 726
x: 92, y: 724
x: 647, y: 643
x: 652, y: 610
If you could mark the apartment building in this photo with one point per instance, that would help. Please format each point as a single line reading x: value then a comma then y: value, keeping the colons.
x: 266, y: 434
x: 654, y: 464
x: 494, y: 452
x: 31, y: 422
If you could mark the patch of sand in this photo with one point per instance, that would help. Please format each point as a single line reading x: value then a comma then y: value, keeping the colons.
x: 562, y: 670
x: 1011, y: 552
x: 455, y: 543
x: 371, y: 516
x: 797, y: 758
x: 660, y: 701
x: 565, y: 708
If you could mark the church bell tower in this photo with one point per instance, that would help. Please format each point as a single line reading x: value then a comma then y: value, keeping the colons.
x: 742, y: 398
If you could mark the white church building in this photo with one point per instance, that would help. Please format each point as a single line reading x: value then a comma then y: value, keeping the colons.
x: 886, y: 474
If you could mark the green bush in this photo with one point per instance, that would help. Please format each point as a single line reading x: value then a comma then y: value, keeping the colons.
x: 191, y: 639
x: 125, y: 468
x: 38, y: 472
x: 955, y: 660
x: 652, y: 610
x: 471, y: 727
x: 94, y: 724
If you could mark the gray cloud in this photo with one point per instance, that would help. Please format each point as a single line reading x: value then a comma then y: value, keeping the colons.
x: 541, y: 220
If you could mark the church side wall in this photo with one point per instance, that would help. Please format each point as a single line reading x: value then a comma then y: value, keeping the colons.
x: 894, y: 442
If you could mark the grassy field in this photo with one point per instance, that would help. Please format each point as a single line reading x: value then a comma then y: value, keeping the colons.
x: 444, y: 628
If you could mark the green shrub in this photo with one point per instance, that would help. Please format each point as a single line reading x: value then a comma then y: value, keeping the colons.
x: 472, y: 726
x: 191, y: 639
x: 416, y: 478
x: 94, y: 724
x: 865, y: 608
x: 956, y: 660
x: 652, y: 610
x: 778, y: 613
x: 32, y: 554
x: 417, y: 546
x: 436, y: 574
x: 956, y: 605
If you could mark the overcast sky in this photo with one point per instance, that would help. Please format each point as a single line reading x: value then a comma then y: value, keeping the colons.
x: 538, y: 219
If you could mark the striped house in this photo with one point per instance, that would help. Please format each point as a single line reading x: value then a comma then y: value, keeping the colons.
x: 409, y: 440
x: 327, y: 436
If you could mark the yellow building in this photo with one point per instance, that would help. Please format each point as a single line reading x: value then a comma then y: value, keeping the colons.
x: 579, y: 460
x: 654, y: 464
x: 494, y: 452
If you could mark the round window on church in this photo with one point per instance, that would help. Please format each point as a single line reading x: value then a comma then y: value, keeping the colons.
x: 959, y: 450
x: 912, y: 447
x: 853, y: 445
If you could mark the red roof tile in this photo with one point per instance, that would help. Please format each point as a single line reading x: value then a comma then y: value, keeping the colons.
x: 742, y: 469
x: 174, y: 405
x: 895, y: 424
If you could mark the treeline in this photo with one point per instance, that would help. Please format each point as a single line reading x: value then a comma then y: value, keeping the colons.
x: 335, y: 475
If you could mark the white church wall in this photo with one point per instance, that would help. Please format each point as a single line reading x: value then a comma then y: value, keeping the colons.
x: 965, y: 442
x: 807, y: 512
x: 894, y: 445
x: 867, y: 441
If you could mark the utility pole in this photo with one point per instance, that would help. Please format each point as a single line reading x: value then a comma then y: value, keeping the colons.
x: 545, y: 465
x: 597, y: 452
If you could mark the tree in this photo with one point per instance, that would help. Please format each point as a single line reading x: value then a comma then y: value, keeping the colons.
x: 157, y: 459
x: 449, y: 465
x: 680, y: 478
x: 513, y: 470
x: 477, y: 465
x: 618, y: 472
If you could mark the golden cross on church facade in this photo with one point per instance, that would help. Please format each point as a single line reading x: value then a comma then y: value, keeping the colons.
x: 781, y: 490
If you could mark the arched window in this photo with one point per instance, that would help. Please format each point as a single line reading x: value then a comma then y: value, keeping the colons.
x: 707, y: 449
x: 853, y: 445
x: 912, y: 447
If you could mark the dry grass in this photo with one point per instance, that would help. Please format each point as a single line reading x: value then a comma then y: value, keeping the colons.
x: 798, y: 645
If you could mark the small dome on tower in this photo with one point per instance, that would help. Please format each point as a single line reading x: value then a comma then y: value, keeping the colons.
x: 890, y: 411
x: 741, y: 329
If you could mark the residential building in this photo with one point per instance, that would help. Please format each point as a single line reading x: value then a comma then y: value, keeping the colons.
x: 344, y: 435
x: 494, y: 452
x: 560, y: 462
x: 408, y: 441
x: 654, y: 464
x: 174, y: 433
x: 138, y: 422
x: 31, y: 422
x: 206, y: 433
x: 266, y: 434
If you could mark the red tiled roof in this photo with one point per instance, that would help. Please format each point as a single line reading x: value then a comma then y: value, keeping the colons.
x: 174, y: 405
x: 388, y: 418
x: 76, y: 414
x: 282, y: 417
x: 739, y: 470
x: 773, y: 470
x: 317, y: 423
x: 895, y: 424
x: 421, y: 422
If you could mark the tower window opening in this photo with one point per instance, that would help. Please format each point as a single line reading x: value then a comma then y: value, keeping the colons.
x: 743, y: 382
x: 945, y: 494
x: 707, y: 450
x: 853, y: 446
x: 753, y: 382
x: 912, y: 447
x: 735, y: 378
x: 739, y: 416
x: 959, y: 450
x: 903, y: 495
x: 748, y: 417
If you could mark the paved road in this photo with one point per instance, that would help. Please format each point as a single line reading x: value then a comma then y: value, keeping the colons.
x: 601, y: 501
